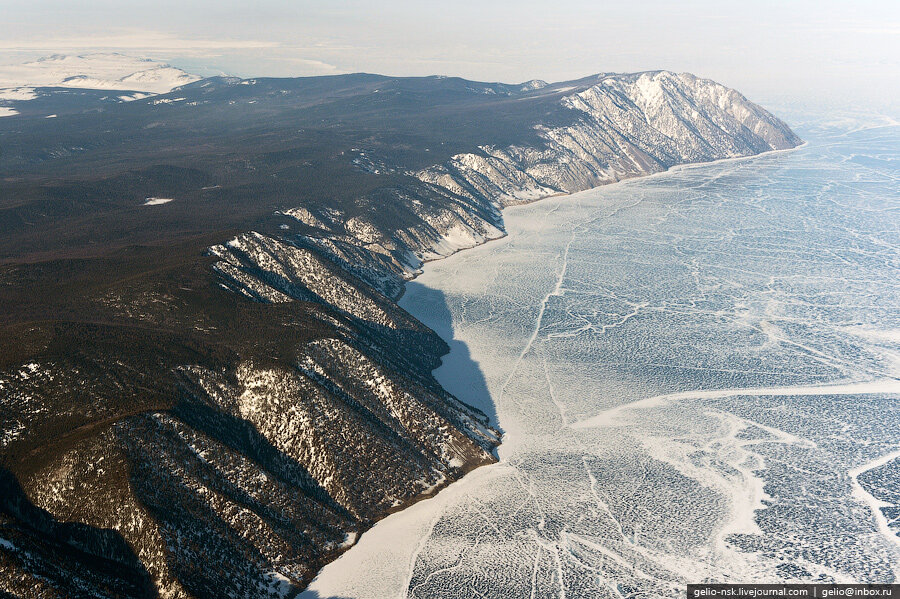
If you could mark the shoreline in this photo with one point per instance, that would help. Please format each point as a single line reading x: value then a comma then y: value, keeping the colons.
x: 326, y: 586
x: 668, y: 171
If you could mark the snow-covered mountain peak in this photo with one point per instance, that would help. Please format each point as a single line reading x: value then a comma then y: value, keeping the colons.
x: 533, y: 85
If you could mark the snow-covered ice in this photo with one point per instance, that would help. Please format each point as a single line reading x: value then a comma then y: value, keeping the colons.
x: 697, y: 376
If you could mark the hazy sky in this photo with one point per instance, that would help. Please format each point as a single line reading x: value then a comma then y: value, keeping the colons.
x: 799, y: 49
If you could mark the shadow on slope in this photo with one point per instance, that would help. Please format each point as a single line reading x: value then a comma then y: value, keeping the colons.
x: 70, y: 557
x: 458, y: 373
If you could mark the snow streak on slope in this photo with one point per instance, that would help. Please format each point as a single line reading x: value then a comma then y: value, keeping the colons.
x: 737, y: 321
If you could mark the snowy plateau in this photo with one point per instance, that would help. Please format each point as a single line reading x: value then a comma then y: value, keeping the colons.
x: 138, y: 77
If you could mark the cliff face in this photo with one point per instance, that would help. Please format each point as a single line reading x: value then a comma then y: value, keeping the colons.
x: 231, y: 426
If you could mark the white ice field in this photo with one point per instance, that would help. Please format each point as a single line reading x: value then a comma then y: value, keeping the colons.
x: 698, y: 376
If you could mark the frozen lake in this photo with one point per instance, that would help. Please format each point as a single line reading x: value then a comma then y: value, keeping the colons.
x: 698, y: 377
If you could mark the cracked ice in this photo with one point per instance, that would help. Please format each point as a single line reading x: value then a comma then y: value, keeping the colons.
x: 698, y: 377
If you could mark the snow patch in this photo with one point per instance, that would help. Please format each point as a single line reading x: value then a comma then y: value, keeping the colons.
x: 18, y: 94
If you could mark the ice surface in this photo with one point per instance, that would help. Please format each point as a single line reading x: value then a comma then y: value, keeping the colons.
x: 697, y: 374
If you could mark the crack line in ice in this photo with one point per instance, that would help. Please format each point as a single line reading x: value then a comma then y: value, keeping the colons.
x: 558, y: 287
x: 419, y: 548
x: 559, y: 405
x: 559, y: 568
x: 540, y: 317
x: 607, y: 417
x: 872, y: 502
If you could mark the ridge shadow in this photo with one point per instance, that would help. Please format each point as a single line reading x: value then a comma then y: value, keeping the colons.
x: 459, y: 373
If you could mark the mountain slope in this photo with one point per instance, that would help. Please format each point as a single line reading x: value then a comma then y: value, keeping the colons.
x: 217, y: 394
x: 630, y: 125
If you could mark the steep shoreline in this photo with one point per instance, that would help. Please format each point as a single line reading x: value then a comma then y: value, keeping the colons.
x: 667, y: 171
x: 334, y: 581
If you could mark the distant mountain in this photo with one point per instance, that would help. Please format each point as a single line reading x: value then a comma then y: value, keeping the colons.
x: 95, y: 71
x: 206, y: 386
